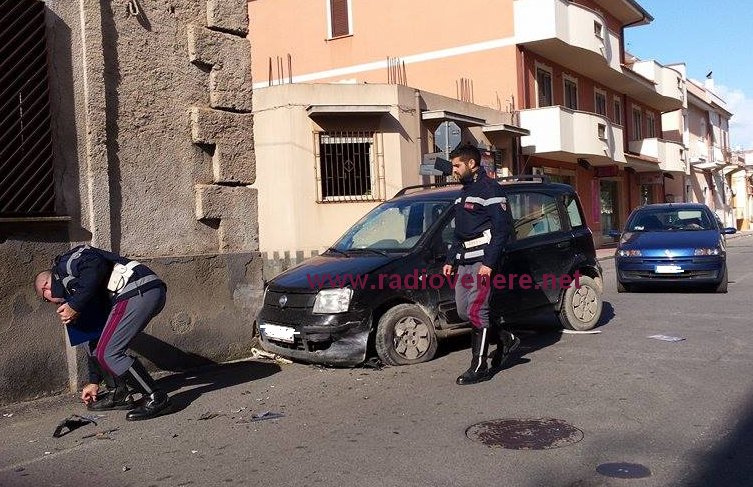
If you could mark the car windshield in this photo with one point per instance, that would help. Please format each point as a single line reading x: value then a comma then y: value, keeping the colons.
x: 392, y: 226
x: 670, y: 219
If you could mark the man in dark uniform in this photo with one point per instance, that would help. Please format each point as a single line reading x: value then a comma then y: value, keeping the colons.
x: 483, y: 225
x: 83, y: 282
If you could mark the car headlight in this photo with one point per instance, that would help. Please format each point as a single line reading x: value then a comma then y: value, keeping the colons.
x: 707, y: 251
x: 629, y: 253
x: 333, y: 300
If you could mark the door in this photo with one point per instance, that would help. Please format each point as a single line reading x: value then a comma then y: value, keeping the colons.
x: 609, y: 206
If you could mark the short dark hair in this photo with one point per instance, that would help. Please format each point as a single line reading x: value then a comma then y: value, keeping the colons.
x: 466, y: 153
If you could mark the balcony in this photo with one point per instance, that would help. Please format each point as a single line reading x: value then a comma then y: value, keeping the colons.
x: 669, y: 83
x: 568, y: 135
x: 669, y: 154
x: 577, y: 38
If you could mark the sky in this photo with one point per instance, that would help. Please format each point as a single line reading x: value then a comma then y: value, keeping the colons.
x: 707, y: 35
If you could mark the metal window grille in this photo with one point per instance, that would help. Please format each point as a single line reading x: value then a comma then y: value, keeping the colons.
x: 26, y: 177
x: 349, y: 167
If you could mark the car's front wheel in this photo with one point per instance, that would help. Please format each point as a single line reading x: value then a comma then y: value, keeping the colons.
x: 405, y: 335
x: 581, y: 307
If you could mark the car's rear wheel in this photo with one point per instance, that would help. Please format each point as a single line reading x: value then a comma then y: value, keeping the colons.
x: 405, y: 335
x: 581, y: 307
x: 722, y: 286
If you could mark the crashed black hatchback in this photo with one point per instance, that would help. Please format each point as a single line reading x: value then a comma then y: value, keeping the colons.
x: 380, y: 287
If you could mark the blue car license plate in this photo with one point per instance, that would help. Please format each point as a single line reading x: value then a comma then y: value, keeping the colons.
x: 668, y: 269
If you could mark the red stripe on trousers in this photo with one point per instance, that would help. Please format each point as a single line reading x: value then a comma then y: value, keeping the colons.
x: 476, y: 306
x: 112, y: 323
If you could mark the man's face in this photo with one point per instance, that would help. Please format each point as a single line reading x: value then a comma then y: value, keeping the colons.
x: 44, y: 289
x: 462, y: 169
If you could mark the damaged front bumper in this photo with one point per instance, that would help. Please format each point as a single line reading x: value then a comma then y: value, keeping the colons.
x: 333, y: 339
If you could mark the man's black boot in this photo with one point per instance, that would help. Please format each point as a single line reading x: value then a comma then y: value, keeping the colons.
x: 155, y: 401
x: 507, y: 343
x: 117, y: 398
x: 478, y: 371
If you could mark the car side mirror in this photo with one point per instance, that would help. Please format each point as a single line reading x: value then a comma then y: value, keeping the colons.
x: 614, y: 233
x: 729, y: 230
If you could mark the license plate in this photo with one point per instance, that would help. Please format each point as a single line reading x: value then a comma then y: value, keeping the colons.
x: 668, y: 269
x: 276, y: 332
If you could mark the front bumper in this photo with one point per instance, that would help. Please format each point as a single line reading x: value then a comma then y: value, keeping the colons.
x: 333, y: 339
x: 643, y: 270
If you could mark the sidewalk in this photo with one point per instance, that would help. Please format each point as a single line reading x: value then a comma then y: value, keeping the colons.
x: 607, y: 252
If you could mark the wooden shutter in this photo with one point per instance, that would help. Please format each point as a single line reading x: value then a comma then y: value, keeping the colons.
x: 339, y: 16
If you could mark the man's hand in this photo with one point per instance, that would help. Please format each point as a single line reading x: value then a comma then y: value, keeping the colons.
x: 447, y: 270
x: 66, y: 313
x: 485, y: 271
x: 89, y: 393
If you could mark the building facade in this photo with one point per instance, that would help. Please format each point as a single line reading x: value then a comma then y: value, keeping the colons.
x: 557, y: 68
x: 128, y: 126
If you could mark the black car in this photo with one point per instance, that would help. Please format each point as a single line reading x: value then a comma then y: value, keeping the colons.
x: 380, y: 287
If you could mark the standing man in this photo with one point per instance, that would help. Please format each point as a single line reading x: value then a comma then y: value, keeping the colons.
x: 79, y: 282
x: 483, y: 225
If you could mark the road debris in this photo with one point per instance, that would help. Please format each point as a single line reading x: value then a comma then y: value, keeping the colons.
x: 126, y: 468
x: 236, y: 411
x: 209, y: 415
x: 71, y: 423
x: 263, y: 354
x: 667, y: 338
x: 101, y: 435
x: 7, y: 415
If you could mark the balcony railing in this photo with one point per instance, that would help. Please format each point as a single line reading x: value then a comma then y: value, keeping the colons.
x: 669, y: 154
x: 571, y: 134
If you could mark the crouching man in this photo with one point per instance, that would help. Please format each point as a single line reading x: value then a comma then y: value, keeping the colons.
x: 86, y: 280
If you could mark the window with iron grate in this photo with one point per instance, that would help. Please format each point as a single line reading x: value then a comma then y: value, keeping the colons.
x: 26, y: 164
x: 346, y: 167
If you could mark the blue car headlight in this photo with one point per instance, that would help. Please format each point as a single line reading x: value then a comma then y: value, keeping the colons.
x: 629, y: 253
x: 707, y: 251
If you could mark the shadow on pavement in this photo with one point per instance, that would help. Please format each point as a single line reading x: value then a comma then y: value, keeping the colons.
x: 192, y: 384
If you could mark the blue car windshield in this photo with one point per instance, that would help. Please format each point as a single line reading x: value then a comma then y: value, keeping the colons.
x: 671, y: 219
x: 392, y: 226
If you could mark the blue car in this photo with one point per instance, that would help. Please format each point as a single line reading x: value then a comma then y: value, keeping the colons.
x: 672, y: 244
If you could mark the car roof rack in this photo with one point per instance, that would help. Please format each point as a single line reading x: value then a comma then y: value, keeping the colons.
x: 525, y: 178
x: 425, y: 186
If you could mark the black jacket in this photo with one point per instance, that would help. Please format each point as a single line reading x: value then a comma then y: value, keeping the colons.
x: 80, y: 277
x: 481, y: 207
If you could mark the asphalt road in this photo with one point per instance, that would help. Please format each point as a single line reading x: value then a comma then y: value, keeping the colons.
x: 683, y: 410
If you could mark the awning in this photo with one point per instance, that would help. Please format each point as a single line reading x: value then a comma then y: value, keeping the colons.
x: 347, y: 110
x: 705, y: 165
x: 731, y: 168
x: 458, y: 118
x: 503, y: 128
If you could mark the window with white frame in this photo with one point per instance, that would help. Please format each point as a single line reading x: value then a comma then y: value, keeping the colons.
x: 346, y: 166
x: 544, y: 86
x: 571, y: 92
x: 339, y: 18
x: 598, y: 29
x: 650, y: 125
x: 600, y: 102
x: 617, y: 110
x: 637, y: 123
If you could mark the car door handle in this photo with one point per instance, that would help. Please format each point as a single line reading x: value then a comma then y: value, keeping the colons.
x: 563, y: 245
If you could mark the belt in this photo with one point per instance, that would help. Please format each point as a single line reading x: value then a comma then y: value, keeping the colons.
x: 485, y: 238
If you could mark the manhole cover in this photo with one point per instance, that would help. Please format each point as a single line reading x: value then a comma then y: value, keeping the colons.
x: 525, y: 434
x: 621, y: 470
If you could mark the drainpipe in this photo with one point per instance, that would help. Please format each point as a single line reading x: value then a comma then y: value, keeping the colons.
x: 419, y: 139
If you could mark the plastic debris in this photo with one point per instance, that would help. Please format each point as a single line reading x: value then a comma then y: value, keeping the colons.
x: 256, y: 353
x: 581, y: 332
x: 8, y: 415
x: 194, y: 451
x: 126, y: 468
x: 236, y: 411
x: 667, y: 338
x: 71, y: 423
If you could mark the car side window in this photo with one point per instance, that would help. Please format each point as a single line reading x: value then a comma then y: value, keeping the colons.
x: 573, y: 212
x: 534, y: 214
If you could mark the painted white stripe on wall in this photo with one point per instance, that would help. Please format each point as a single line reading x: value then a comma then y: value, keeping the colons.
x: 412, y: 59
